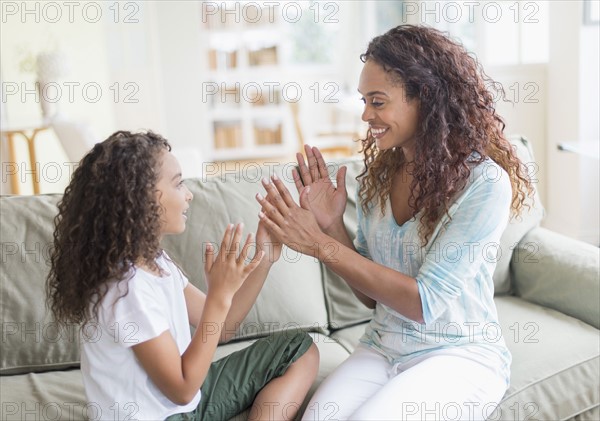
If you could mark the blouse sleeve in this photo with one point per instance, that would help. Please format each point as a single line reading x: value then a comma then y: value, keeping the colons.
x: 468, y: 243
x: 360, y: 242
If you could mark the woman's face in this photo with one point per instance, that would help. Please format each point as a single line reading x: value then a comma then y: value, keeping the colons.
x: 392, y: 117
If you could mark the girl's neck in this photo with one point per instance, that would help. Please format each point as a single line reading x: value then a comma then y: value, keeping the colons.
x: 154, y: 270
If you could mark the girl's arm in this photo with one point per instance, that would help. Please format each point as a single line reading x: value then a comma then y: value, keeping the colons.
x: 180, y: 377
x: 245, y: 297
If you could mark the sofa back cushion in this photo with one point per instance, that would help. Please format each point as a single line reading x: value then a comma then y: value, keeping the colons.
x: 343, y: 307
x: 293, y: 292
x: 520, y: 225
x: 31, y: 341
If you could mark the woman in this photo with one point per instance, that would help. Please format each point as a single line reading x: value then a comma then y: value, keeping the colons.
x: 439, y: 183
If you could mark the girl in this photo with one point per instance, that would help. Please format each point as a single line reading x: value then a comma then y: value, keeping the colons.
x: 439, y: 182
x: 109, y: 273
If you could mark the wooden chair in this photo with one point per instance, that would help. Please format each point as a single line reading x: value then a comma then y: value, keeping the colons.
x: 333, y: 143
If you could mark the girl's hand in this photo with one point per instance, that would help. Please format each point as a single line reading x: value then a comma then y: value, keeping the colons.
x: 227, y: 271
x: 287, y: 222
x: 266, y: 243
x: 326, y: 201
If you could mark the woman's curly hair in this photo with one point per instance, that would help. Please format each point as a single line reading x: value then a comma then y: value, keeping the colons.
x: 108, y: 220
x: 457, y: 117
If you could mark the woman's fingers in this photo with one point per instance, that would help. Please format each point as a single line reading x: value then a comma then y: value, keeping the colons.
x: 283, y: 191
x: 209, y: 257
x: 297, y: 180
x: 271, y: 226
x: 271, y: 211
x: 304, y: 172
x: 275, y: 197
x: 313, y: 166
x: 321, y: 165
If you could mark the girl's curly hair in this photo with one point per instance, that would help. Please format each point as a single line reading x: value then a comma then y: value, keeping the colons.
x: 457, y: 117
x: 108, y: 220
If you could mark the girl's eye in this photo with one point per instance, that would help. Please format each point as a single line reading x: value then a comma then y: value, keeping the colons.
x: 180, y: 183
x: 376, y: 103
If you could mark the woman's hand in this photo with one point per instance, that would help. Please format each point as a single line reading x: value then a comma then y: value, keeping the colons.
x: 227, y: 271
x: 287, y: 222
x: 326, y: 201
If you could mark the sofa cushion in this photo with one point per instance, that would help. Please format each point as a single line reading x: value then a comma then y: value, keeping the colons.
x: 60, y: 395
x: 556, y: 361
x: 293, y: 292
x: 56, y: 395
x: 559, y: 272
x: 520, y: 225
x: 30, y: 339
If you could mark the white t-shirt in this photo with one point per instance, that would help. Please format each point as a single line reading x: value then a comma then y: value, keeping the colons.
x: 116, y: 385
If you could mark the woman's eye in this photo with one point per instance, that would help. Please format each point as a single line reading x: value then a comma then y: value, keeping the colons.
x: 376, y: 103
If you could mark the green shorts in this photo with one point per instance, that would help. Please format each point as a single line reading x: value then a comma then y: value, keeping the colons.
x: 233, y: 382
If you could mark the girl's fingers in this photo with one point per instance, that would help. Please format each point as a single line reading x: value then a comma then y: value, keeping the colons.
x: 283, y: 191
x: 234, y: 247
x: 244, y: 254
x: 312, y: 163
x: 226, y: 239
x: 321, y: 165
x: 254, y: 263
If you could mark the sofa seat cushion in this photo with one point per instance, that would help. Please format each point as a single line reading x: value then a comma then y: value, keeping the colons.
x: 54, y: 395
x: 59, y: 395
x: 349, y: 336
x: 556, y: 361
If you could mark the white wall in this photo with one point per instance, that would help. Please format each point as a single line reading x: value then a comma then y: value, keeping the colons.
x: 162, y: 54
x: 572, y: 205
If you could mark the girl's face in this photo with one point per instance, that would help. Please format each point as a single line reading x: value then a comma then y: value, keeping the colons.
x: 173, y: 196
x: 392, y: 117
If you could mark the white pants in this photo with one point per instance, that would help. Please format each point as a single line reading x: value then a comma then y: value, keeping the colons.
x: 433, y: 387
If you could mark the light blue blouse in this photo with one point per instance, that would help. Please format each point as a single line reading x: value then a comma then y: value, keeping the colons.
x: 453, y: 272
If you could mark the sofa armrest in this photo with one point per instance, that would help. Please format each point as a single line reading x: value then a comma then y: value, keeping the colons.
x: 558, y: 272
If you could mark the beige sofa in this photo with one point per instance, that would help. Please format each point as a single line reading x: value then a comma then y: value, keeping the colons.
x: 547, y: 291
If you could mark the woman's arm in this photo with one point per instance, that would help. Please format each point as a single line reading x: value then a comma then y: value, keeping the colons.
x: 326, y: 201
x: 298, y: 229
